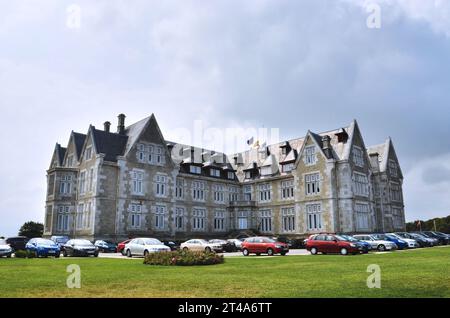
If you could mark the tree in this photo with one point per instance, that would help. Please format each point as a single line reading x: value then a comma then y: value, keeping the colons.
x: 31, y: 229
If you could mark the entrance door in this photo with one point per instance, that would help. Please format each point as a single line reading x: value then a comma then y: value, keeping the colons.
x: 242, y: 223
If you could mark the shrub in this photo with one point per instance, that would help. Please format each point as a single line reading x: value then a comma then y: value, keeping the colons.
x: 24, y: 254
x: 183, y: 258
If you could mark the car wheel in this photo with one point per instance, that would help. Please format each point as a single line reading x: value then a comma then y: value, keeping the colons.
x: 57, y: 255
x: 344, y: 251
x: 96, y: 254
x: 185, y: 249
x: 270, y: 252
x: 64, y: 253
x: 145, y: 253
x: 258, y: 254
x: 129, y: 253
x: 283, y: 254
x: 381, y: 248
x: 314, y: 251
x: 245, y: 252
x: 208, y: 249
x: 8, y: 256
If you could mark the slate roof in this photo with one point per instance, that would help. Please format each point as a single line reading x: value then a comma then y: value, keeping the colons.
x: 109, y: 144
x: 61, y: 153
x: 79, y: 142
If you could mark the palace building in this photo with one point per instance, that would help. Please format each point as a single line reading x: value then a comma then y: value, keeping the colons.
x: 133, y: 182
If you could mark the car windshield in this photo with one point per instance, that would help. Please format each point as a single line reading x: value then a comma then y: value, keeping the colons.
x: 44, y: 241
x: 202, y: 241
x: 152, y: 242
x: 341, y: 238
x: 81, y: 242
x: 380, y: 236
x: 61, y: 239
x: 3, y: 242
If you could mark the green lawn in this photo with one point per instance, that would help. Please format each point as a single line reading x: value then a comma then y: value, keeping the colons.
x: 417, y: 273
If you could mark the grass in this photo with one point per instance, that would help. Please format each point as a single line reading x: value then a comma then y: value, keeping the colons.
x: 416, y: 273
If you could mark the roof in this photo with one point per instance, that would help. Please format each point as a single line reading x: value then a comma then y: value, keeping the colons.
x: 78, y: 140
x: 61, y: 153
x: 109, y: 144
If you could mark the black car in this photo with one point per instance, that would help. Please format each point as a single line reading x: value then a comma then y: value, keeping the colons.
x: 79, y: 247
x: 227, y: 247
x: 17, y: 243
x: 441, y: 237
x: 421, y: 240
x: 173, y: 246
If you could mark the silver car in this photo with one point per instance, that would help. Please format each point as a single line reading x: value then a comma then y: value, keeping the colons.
x: 144, y: 246
x: 376, y: 244
x: 201, y: 245
x: 5, y: 249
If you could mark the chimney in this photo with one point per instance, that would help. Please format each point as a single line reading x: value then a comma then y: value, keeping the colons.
x: 107, y: 126
x: 326, y: 144
x: 121, y: 125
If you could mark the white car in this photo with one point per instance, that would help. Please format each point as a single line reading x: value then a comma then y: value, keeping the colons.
x: 411, y: 243
x: 144, y: 246
x: 201, y: 245
x: 5, y: 249
x: 376, y: 244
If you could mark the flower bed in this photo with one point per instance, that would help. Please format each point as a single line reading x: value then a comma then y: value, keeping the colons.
x: 183, y: 258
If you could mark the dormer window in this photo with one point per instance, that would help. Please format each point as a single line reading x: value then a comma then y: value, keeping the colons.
x: 195, y: 169
x: 393, y: 168
x: 358, y: 156
x: 70, y: 161
x: 310, y: 155
x: 266, y: 171
x: 88, y: 154
x: 288, y: 167
x: 214, y: 173
x: 248, y: 175
x: 230, y: 175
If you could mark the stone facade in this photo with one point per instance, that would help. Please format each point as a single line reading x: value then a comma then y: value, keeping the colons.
x: 107, y: 185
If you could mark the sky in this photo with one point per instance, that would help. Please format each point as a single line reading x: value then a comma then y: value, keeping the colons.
x: 289, y: 65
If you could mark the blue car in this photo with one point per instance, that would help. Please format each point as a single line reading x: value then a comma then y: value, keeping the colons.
x: 43, y: 247
x: 366, y: 246
x: 391, y: 238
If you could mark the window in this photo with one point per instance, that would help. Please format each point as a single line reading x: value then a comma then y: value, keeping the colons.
x: 312, y: 184
x: 87, y: 215
x: 287, y: 189
x: 160, y: 212
x: 358, y: 156
x: 83, y: 182
x: 288, y: 219
x: 361, y: 185
x: 230, y: 175
x: 70, y: 161
x: 137, y: 182
x: 397, y: 218
x: 233, y: 193
x: 310, y: 155
x: 314, y: 216
x: 266, y: 171
x: 161, y: 185
x: 195, y: 169
x: 218, y: 192
x: 51, y: 184
x: 248, y: 193
x: 135, y: 215
x: 198, y: 190
x: 393, y: 169
x: 265, y: 221
x: 362, y: 216
x: 151, y: 154
x: 214, y: 172
x: 141, y: 153
x: 159, y: 155
x: 179, y: 189
x: 91, y: 179
x: 198, y: 219
x: 62, y: 221
x: 248, y: 174
x: 264, y: 192
x: 288, y: 167
x: 396, y: 192
x: 219, y: 220
x: 88, y: 153
x: 65, y: 186
x: 80, y: 216
x: 179, y: 218
x: 243, y: 220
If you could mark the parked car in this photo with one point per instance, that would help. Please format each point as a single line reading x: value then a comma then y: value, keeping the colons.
x: 377, y: 244
x: 434, y: 240
x: 237, y: 243
x: 366, y: 246
x: 441, y: 237
x: 201, y: 245
x: 79, y: 247
x: 17, y: 243
x: 60, y: 240
x: 43, y: 247
x: 5, y: 249
x: 333, y: 244
x: 401, y: 244
x: 228, y: 247
x: 173, y: 246
x: 121, y: 246
x: 105, y: 246
x: 422, y: 241
x: 143, y: 246
x: 410, y: 242
x: 263, y: 245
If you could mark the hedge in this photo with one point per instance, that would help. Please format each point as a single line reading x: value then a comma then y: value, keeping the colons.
x: 183, y: 258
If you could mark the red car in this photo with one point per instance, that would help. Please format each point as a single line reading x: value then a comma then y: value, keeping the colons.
x: 263, y: 245
x: 333, y: 244
x: 121, y: 246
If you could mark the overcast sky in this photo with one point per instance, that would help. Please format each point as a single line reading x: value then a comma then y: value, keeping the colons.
x: 293, y: 65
